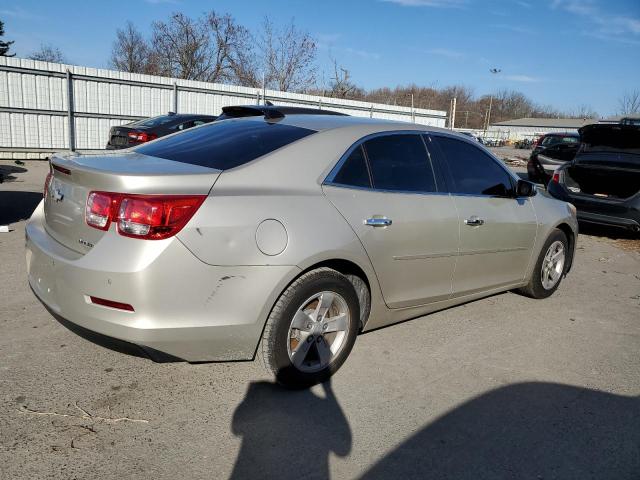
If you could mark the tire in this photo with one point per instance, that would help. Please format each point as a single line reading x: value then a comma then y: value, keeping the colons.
x: 299, y: 358
x: 539, y: 285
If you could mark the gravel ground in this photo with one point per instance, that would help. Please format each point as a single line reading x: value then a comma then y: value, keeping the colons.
x: 504, y: 387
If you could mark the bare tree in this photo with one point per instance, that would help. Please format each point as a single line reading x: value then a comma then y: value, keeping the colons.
x: 131, y: 52
x: 212, y: 48
x: 630, y: 102
x: 583, y: 111
x: 287, y: 56
x: 48, y: 53
x: 181, y: 47
x: 341, y: 85
x: 234, y: 59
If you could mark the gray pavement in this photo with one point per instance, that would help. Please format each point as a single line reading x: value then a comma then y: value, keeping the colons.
x: 504, y: 387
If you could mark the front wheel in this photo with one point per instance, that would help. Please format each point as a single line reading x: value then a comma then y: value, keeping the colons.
x: 311, y: 329
x: 550, y: 267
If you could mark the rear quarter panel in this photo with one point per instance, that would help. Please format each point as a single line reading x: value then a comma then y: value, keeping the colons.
x: 285, y: 186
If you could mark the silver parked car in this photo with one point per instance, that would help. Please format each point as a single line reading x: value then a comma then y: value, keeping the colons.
x: 287, y: 236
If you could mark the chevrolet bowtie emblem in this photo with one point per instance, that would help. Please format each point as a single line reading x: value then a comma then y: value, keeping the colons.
x: 57, y: 195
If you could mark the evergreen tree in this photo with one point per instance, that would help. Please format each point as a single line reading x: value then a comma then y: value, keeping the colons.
x: 4, y: 46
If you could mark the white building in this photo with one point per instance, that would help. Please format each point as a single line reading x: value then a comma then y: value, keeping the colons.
x: 532, y: 128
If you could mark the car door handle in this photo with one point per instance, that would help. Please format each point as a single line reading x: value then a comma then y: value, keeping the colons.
x: 474, y: 221
x: 378, y: 222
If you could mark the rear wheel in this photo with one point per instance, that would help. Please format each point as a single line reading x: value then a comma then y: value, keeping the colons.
x: 311, y: 329
x: 550, y: 267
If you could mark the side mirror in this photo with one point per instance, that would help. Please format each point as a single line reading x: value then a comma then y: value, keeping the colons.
x: 525, y: 188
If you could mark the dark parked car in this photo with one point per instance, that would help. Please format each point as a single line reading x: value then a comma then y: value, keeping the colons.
x: 148, y: 129
x: 603, y: 180
x: 551, y: 151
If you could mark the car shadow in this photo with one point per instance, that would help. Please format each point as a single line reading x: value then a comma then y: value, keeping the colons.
x: 114, y: 344
x: 288, y: 433
x: 613, y: 233
x: 6, y: 172
x: 525, y: 431
x: 17, y: 206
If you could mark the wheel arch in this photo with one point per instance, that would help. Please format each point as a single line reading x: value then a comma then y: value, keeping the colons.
x: 356, y: 275
x: 571, y: 238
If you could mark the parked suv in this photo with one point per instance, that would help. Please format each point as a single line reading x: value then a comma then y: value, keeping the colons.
x: 551, y: 151
x: 287, y: 236
x: 141, y: 131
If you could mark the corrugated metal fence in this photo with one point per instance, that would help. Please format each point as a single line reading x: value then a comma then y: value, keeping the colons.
x: 45, y: 107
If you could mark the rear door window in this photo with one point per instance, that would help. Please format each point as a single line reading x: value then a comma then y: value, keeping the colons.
x: 473, y: 172
x: 224, y: 145
x: 399, y: 162
x: 354, y: 171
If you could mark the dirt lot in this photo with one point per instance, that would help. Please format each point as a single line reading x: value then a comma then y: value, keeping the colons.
x: 505, y: 387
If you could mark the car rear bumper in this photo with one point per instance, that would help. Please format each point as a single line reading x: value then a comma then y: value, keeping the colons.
x: 183, y: 307
x: 591, y: 209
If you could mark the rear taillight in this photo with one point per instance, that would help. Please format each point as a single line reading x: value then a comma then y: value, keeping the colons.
x: 98, y: 212
x: 47, y: 182
x: 555, y: 178
x: 142, y: 136
x: 151, y: 217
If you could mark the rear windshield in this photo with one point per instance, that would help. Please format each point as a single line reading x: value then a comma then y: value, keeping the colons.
x: 153, y: 122
x: 555, y: 139
x: 224, y: 145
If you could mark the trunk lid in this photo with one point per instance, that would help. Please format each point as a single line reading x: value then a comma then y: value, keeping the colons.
x: 75, y: 176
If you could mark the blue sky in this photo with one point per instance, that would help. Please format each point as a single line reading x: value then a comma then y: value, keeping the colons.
x: 565, y: 53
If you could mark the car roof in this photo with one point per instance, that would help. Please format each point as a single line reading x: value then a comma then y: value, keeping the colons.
x: 321, y: 123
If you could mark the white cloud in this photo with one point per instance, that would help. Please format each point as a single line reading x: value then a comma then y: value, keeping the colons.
x: 429, y: 3
x: 521, y: 78
x: 362, y: 53
x: 607, y: 25
x: 18, y: 12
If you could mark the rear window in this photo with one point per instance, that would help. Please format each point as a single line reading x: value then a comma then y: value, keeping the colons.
x: 555, y: 139
x: 154, y: 122
x: 224, y: 145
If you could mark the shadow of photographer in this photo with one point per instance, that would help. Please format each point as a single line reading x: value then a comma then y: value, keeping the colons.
x: 288, y: 434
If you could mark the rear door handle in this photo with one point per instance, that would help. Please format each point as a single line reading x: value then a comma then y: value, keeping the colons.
x: 474, y: 221
x: 378, y: 222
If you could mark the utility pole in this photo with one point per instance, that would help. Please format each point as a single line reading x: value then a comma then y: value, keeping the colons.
x: 413, y: 113
x: 494, y: 71
x: 453, y: 113
x: 489, y: 113
x: 450, y: 112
